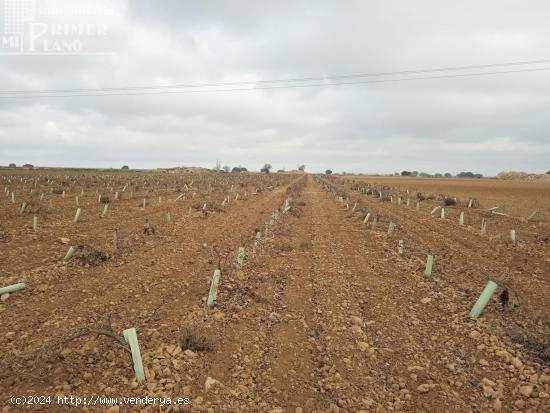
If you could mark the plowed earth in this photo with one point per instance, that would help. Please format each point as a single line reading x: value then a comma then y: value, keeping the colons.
x: 323, y: 316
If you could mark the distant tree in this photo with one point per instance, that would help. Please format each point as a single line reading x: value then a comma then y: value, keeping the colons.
x: 301, y: 168
x: 28, y: 165
x: 548, y: 172
x: 280, y: 171
x: 406, y: 173
x: 243, y: 169
x: 236, y: 169
x: 12, y: 165
x: 328, y: 172
x: 448, y: 175
x: 218, y: 166
x: 226, y: 168
x: 469, y: 175
x: 266, y: 169
x: 438, y: 175
x: 424, y: 174
x: 125, y: 167
x: 414, y: 173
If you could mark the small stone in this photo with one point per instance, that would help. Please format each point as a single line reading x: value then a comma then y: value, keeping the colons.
x: 218, y: 316
x: 483, y: 362
x: 475, y: 334
x: 543, y: 395
x: 358, y: 321
x: 425, y: 300
x: 189, y: 353
x: 497, y: 405
x: 274, y: 316
x: 526, y: 390
x: 210, y: 382
x: 42, y: 287
x: 423, y: 388
x: 517, y: 363
x: 4, y: 297
x: 64, y: 240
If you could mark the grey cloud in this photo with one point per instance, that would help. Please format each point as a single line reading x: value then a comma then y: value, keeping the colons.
x: 484, y: 124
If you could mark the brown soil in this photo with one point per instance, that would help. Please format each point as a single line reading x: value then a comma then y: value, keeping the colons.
x: 323, y: 316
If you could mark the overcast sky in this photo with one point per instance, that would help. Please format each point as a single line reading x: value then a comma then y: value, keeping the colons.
x: 482, y: 124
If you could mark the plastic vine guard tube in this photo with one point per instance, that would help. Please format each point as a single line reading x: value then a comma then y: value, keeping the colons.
x: 366, y: 218
x: 70, y: 253
x: 213, y: 294
x: 483, y: 299
x: 461, y: 219
x: 429, y: 265
x: 77, y: 215
x: 12, y: 288
x: 391, y: 227
x: 130, y: 335
x: 240, y: 257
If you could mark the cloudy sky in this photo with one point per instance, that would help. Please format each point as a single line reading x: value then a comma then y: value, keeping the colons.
x: 484, y: 124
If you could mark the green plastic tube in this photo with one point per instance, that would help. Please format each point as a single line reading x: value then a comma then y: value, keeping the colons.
x: 70, y: 253
x: 461, y: 218
x: 442, y: 213
x: 77, y: 215
x: 513, y: 235
x: 400, y: 247
x: 105, y: 208
x: 12, y: 288
x: 240, y: 257
x: 391, y: 227
x: 257, y: 239
x: 429, y: 265
x: 213, y: 293
x: 483, y: 299
x: 130, y: 335
x: 366, y: 218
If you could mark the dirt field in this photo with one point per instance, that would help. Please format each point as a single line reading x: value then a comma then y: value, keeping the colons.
x: 324, y: 315
x: 527, y: 196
